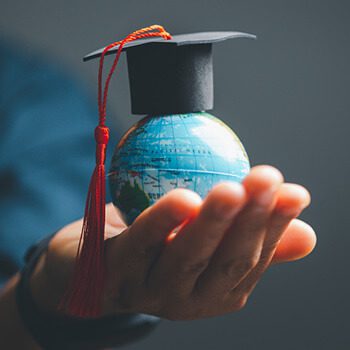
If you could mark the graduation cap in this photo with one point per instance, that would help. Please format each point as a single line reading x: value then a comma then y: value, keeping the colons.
x: 171, y: 76
x: 168, y: 75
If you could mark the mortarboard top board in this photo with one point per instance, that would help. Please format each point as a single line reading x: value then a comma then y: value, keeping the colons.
x: 172, y: 76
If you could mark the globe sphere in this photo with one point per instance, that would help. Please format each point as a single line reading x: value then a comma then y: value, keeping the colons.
x: 160, y: 153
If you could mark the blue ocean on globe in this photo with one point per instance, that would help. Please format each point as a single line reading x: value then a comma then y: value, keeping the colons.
x: 158, y: 154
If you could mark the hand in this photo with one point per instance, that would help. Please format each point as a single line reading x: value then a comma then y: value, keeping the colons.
x: 210, y: 263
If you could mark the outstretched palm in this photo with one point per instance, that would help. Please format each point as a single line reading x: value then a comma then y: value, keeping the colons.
x: 184, y: 258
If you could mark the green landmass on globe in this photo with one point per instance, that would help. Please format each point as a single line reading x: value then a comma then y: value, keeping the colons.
x: 160, y: 153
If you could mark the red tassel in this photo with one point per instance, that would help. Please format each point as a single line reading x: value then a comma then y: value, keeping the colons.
x: 84, y: 295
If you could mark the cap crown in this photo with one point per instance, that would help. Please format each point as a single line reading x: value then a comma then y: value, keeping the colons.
x: 172, y: 76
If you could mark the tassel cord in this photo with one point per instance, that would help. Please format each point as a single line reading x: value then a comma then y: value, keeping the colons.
x: 83, y: 297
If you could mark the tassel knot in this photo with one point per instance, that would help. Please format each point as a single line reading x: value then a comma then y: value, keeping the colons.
x: 102, y: 135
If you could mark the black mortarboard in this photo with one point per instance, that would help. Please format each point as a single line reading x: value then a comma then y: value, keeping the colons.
x: 172, y: 76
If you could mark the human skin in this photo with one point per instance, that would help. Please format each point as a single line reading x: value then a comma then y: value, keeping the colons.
x: 209, y: 267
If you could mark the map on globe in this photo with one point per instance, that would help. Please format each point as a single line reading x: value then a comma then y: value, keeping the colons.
x: 158, y: 154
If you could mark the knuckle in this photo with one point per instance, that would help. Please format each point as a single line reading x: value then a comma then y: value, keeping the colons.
x: 256, y: 224
x: 191, y: 268
x: 239, y: 266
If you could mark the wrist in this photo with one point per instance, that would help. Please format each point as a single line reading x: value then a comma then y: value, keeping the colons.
x: 37, y: 296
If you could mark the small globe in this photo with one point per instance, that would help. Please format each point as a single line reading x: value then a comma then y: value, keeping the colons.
x: 157, y: 154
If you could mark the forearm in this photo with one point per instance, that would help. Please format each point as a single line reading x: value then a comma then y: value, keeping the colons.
x: 13, y: 334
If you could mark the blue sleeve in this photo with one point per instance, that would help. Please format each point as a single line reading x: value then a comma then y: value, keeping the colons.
x: 46, y: 152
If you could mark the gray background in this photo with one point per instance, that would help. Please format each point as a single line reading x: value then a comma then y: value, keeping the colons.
x: 287, y: 97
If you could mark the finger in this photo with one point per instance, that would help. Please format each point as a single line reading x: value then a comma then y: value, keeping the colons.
x: 291, y: 200
x: 146, y: 236
x: 240, y: 249
x: 298, y: 241
x: 185, y: 257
